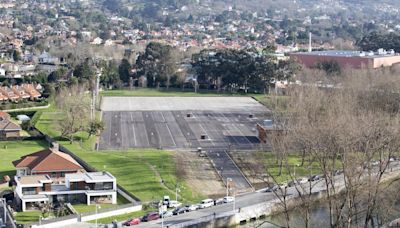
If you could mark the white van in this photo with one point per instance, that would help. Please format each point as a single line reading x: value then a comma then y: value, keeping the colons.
x: 174, y: 204
x: 206, y: 203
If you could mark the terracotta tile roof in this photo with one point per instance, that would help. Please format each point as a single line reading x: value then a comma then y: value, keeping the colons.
x: 4, y: 115
x: 7, y: 125
x: 48, y: 160
x: 30, y: 89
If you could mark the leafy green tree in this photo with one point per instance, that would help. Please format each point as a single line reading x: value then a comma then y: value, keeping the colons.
x: 158, y: 63
x: 95, y: 127
x: 84, y: 72
x: 124, y: 70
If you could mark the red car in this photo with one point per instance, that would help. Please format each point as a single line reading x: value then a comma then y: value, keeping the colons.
x: 151, y: 216
x: 131, y: 222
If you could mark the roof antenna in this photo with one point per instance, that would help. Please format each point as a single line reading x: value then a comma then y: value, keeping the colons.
x: 309, y: 43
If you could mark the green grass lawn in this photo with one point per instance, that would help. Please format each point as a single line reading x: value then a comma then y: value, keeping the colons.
x: 83, y: 208
x: 120, y: 218
x: 28, y: 217
x: 293, y: 165
x: 136, y: 171
x: 13, y: 150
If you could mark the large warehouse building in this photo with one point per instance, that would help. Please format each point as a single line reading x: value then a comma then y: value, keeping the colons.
x: 352, y: 59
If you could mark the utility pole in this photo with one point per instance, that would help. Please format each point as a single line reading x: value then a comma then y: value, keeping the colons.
x: 228, y: 180
x: 95, y: 95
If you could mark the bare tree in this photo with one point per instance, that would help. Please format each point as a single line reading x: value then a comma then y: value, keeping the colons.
x: 75, y: 107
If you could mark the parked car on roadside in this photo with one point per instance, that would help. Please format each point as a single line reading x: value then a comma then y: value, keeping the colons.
x: 150, y: 216
x: 314, y: 178
x: 174, y: 204
x: 131, y: 222
x: 166, y: 214
x: 206, y: 203
x: 228, y: 199
x: 179, y: 210
x: 291, y: 183
x: 192, y: 207
x: 166, y: 200
x: 302, y: 180
x: 219, y: 201
x: 271, y: 188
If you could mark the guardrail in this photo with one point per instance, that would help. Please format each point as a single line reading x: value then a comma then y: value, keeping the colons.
x: 204, y: 219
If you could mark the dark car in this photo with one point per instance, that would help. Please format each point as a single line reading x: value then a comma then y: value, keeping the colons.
x: 314, y: 178
x: 291, y: 183
x: 150, y: 216
x: 271, y: 188
x: 179, y: 210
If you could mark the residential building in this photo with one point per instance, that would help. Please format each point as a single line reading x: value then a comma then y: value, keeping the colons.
x: 20, y: 91
x: 89, y: 188
x: 8, y: 129
x: 50, y: 162
x: 31, y: 90
x: 9, y: 93
x: 51, y: 176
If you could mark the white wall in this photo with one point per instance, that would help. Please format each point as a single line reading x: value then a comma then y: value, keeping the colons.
x: 91, y: 217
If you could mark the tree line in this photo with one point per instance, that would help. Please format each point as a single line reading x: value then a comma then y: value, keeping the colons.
x: 218, y: 69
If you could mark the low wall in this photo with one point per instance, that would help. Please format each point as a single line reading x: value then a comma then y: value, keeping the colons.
x: 72, y: 219
x: 113, y: 212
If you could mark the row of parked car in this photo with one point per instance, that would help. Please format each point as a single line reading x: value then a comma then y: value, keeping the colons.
x: 179, y: 209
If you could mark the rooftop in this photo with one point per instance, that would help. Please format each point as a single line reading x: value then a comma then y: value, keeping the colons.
x: 91, y: 177
x: 34, y: 179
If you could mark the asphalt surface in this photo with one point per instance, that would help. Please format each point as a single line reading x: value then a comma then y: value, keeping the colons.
x: 254, y: 198
x: 226, y: 168
x: 174, y: 129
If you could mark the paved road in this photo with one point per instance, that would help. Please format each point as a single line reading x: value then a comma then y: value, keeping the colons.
x: 227, y: 168
x: 249, y: 199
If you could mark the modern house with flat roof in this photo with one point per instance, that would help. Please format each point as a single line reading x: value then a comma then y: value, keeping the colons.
x: 51, y: 176
x: 89, y: 188
x: 348, y: 59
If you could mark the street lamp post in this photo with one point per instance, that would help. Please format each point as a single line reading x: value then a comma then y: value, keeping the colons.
x: 97, y: 206
x: 227, y: 185
x: 162, y: 215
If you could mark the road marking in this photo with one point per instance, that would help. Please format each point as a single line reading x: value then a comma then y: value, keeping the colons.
x: 170, y: 134
x: 162, y: 115
x: 206, y: 133
x: 133, y: 126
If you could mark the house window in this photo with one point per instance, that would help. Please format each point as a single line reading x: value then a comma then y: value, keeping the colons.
x: 29, y: 191
x: 53, y: 174
x: 62, y: 174
x: 74, y: 185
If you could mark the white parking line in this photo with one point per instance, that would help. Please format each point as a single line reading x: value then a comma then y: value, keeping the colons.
x: 170, y: 134
x: 207, y: 134
x: 133, y: 126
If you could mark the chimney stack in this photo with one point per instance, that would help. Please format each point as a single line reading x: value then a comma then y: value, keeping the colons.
x: 56, y: 146
x: 309, y: 43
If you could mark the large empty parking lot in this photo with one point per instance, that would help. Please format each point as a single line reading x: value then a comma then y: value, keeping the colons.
x: 180, y: 122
